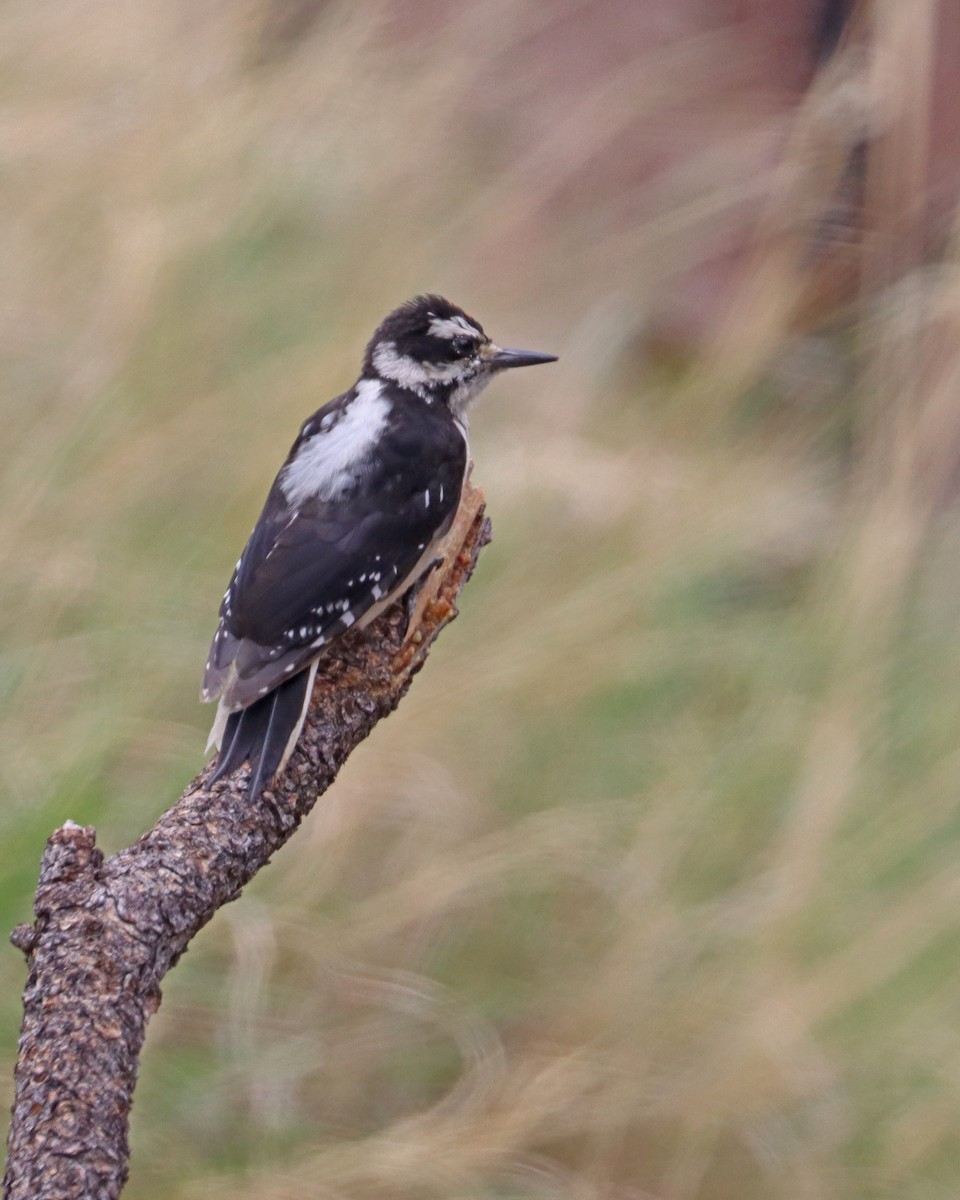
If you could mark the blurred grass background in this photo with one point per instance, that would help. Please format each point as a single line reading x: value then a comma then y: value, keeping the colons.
x: 650, y: 888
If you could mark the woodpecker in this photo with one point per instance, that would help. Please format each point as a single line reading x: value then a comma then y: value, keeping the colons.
x: 368, y: 491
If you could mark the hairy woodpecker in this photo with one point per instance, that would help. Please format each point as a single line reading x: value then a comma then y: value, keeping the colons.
x: 368, y: 490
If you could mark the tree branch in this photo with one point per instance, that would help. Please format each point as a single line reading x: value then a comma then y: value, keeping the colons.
x: 108, y: 930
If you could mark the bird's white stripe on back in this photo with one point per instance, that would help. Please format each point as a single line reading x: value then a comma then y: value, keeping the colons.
x: 329, y: 461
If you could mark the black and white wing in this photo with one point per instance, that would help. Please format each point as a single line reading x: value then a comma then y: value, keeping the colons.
x: 347, y: 521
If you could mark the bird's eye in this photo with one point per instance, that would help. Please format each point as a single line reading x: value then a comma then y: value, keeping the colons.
x: 462, y: 345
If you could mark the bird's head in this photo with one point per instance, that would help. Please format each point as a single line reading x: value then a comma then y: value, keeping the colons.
x: 435, y: 349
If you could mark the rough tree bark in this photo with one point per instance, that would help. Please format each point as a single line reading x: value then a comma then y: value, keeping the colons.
x: 108, y: 930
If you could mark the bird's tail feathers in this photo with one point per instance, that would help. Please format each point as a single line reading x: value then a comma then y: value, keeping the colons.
x: 265, y: 733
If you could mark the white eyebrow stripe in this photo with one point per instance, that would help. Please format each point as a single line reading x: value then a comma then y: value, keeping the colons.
x: 451, y: 327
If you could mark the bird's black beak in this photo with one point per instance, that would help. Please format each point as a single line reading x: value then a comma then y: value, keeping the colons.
x: 518, y: 358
